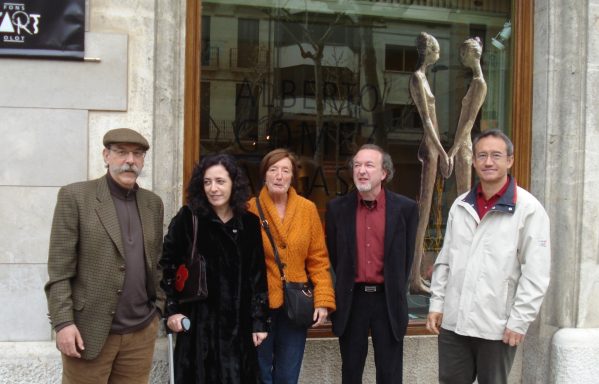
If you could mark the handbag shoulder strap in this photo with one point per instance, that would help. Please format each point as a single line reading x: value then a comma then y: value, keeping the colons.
x: 194, y: 224
x: 266, y: 227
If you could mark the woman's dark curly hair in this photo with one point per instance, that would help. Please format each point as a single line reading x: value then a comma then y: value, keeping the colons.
x: 240, y: 193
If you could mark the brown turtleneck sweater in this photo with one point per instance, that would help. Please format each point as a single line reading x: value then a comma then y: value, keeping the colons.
x: 134, y: 310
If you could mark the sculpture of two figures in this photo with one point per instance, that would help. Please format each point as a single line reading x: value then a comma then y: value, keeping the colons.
x: 431, y: 153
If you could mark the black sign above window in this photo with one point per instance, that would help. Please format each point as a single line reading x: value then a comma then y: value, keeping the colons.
x: 42, y: 28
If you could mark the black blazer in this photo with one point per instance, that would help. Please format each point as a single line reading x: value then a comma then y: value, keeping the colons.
x: 401, y: 220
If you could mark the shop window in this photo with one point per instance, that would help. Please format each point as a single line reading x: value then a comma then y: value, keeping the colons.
x: 323, y: 81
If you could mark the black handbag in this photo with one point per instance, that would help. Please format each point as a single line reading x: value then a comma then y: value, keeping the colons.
x: 190, y: 282
x: 299, y: 299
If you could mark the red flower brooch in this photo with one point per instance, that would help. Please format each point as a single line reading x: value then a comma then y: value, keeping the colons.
x: 182, y: 275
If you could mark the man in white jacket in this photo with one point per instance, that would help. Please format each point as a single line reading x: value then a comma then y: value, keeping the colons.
x: 492, y: 272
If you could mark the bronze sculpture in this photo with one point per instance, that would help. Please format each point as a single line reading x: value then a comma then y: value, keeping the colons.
x: 431, y: 153
x: 461, y: 151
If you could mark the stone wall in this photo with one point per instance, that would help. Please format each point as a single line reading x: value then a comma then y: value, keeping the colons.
x: 564, y: 177
x: 47, y: 143
x: 53, y: 117
x: 53, y: 120
x: 34, y: 362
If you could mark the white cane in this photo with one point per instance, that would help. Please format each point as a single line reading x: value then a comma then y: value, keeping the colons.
x: 171, y: 366
x: 185, y: 324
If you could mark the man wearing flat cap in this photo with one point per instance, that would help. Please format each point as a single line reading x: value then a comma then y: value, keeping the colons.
x: 103, y: 289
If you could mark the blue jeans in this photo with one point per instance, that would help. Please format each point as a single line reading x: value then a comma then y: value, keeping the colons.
x: 280, y: 355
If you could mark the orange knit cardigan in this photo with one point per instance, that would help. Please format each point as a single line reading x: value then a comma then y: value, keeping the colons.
x: 302, y: 248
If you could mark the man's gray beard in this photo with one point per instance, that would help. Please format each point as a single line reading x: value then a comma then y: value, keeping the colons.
x: 364, y: 187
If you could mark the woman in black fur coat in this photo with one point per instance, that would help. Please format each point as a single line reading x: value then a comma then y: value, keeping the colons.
x: 231, y: 321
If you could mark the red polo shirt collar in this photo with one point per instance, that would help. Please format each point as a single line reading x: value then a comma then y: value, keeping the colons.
x: 483, y: 205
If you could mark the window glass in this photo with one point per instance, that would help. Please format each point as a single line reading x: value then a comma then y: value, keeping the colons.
x: 400, y: 58
x: 322, y: 78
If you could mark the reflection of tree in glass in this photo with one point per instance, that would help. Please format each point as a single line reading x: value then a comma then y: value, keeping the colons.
x: 248, y: 129
x: 369, y: 65
x: 310, y: 38
x: 340, y: 95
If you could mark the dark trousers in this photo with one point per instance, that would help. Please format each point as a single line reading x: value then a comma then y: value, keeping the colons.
x: 369, y: 312
x: 463, y: 359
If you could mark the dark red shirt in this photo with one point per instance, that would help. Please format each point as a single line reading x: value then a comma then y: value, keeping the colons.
x: 482, y: 205
x: 370, y: 240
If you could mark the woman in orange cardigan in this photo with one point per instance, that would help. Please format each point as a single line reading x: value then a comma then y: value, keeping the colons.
x: 299, y: 236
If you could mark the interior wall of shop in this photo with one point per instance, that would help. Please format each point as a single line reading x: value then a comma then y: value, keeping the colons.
x: 53, y: 119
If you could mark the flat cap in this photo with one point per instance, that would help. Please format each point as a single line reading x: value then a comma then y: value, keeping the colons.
x: 125, y: 135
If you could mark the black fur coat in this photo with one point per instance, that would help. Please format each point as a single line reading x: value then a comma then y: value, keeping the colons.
x: 218, y: 348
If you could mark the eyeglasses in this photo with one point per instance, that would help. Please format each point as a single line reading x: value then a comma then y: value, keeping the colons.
x: 495, y: 156
x: 122, y: 154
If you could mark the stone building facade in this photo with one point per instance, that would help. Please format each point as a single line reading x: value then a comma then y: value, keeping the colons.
x: 53, y: 115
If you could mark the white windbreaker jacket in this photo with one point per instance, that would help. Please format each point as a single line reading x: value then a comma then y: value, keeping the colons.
x: 492, y: 273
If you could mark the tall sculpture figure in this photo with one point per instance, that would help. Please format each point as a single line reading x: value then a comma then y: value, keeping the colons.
x: 461, y: 151
x: 431, y: 152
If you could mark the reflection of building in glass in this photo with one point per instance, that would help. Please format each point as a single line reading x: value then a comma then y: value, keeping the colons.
x: 323, y: 68
x: 323, y: 80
